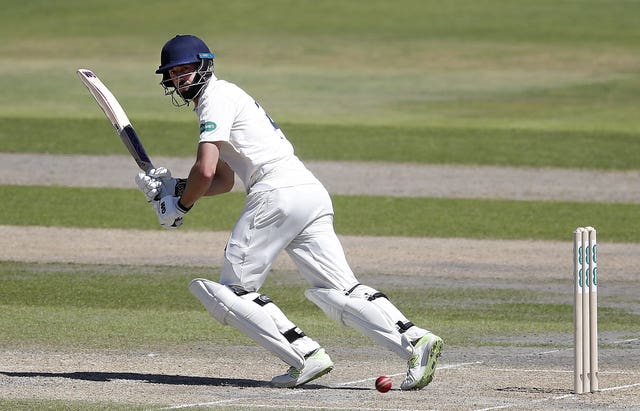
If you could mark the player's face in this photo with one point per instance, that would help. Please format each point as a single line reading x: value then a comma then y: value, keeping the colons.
x: 183, y: 76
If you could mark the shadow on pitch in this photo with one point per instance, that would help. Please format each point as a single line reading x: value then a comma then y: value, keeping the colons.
x: 148, y: 378
x: 163, y: 379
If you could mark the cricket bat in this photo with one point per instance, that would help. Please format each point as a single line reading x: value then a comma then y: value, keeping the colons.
x: 118, y: 118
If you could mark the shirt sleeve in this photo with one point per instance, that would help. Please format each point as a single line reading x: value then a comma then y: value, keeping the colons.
x: 216, y: 115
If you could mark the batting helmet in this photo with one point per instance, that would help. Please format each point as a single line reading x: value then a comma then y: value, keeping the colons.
x: 185, y: 49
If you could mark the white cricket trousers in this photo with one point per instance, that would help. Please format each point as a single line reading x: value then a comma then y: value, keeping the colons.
x: 297, y: 219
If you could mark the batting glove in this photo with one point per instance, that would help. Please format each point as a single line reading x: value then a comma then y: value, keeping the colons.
x: 158, y: 183
x: 170, y: 211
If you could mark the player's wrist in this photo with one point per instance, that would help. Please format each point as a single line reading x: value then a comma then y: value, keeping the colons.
x: 183, y: 208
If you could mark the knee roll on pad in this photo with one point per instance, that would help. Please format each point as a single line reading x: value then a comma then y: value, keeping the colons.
x: 368, y: 311
x: 250, y: 317
x: 205, y: 291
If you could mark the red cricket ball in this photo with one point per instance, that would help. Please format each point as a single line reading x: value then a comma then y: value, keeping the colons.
x: 383, y: 383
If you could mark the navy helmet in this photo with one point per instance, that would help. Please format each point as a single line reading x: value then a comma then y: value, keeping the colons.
x: 185, y: 49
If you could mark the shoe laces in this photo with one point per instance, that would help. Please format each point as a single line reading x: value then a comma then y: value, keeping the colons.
x: 413, y: 361
x: 293, y: 372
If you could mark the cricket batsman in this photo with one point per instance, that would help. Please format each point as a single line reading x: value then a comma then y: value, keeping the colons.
x: 286, y: 209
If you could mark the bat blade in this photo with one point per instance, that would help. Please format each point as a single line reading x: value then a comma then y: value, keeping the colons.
x: 117, y: 116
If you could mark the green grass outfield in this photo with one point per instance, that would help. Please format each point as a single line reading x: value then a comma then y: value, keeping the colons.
x: 611, y: 150
x: 551, y: 65
x: 471, y: 82
x: 355, y: 215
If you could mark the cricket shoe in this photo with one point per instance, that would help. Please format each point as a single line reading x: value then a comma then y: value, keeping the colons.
x: 315, y: 366
x: 422, y: 364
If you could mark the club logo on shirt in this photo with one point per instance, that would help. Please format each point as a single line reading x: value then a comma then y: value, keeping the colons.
x: 207, y: 126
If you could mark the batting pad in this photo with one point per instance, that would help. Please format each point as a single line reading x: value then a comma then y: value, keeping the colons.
x: 247, y: 316
x: 375, y: 318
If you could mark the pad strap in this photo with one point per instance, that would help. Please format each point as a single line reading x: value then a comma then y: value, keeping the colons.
x: 402, y: 327
x: 293, y: 334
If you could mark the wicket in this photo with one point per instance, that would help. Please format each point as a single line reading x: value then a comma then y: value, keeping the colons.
x: 585, y: 320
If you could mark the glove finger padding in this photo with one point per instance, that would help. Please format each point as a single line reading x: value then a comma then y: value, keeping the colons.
x: 149, y: 186
x: 160, y: 172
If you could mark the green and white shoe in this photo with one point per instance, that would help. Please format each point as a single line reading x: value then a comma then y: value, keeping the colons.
x: 422, y: 364
x: 315, y: 366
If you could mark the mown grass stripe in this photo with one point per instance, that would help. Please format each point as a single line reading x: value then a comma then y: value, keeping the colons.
x: 426, y: 145
x: 355, y: 215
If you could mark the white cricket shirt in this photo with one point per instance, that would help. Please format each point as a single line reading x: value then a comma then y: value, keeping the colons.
x: 252, y: 144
